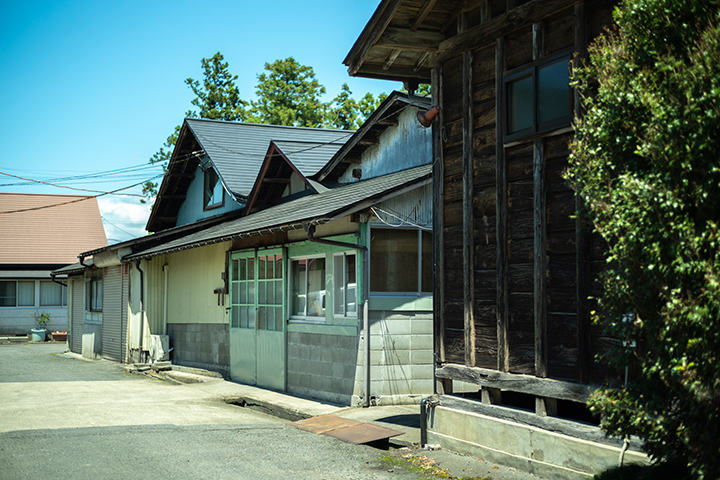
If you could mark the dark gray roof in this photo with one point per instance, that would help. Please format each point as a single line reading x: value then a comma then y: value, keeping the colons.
x: 238, y: 149
x: 315, y: 208
x: 309, y: 157
x: 74, y: 268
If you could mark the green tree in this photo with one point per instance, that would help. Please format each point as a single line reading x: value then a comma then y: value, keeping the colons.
x: 289, y: 94
x: 344, y: 112
x: 647, y: 161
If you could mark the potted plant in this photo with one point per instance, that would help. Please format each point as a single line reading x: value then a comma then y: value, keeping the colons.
x: 38, y: 334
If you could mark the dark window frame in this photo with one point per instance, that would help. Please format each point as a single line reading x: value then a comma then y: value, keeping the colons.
x: 221, y: 203
x: 531, y: 71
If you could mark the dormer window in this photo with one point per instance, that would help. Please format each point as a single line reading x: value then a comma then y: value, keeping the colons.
x: 213, y: 197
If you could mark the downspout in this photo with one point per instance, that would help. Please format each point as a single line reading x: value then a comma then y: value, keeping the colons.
x: 165, y: 299
x: 310, y: 231
x: 142, y: 308
x: 52, y: 277
x: 82, y: 261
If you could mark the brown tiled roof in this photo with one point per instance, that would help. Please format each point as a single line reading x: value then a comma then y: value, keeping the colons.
x: 45, y: 234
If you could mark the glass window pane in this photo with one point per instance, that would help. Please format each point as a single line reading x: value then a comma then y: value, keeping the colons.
x: 261, y: 268
x: 271, y: 266
x: 316, y: 287
x: 50, y: 294
x: 251, y: 269
x: 351, y: 285
x: 243, y: 316
x: 235, y: 288
x: 427, y: 262
x: 262, y: 286
x: 250, y: 292
x: 251, y: 317
x: 235, y: 270
x: 8, y: 291
x: 278, y: 292
x: 554, y: 92
x: 279, y: 320
x: 339, y: 285
x: 298, y: 286
x: 520, y: 104
x: 235, y: 321
x: 26, y: 294
x: 262, y: 318
x: 243, y: 269
x: 393, y: 260
x: 278, y: 266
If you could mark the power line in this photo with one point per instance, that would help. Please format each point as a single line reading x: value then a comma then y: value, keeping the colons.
x: 74, y: 188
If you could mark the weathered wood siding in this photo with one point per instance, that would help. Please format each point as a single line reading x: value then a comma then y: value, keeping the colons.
x: 533, y: 263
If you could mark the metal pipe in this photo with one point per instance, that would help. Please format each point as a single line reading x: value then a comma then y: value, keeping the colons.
x: 142, y: 308
x: 310, y: 232
x: 165, y: 299
x: 423, y: 422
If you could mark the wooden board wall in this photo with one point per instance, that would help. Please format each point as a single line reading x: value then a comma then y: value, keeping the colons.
x: 532, y: 265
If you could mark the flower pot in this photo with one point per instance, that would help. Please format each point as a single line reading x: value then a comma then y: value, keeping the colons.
x: 59, y: 336
x: 38, y: 334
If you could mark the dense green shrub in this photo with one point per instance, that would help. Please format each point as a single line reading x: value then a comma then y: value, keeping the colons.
x: 646, y: 160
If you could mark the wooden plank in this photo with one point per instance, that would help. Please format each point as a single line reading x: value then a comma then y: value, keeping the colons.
x: 582, y: 231
x: 540, y: 237
x: 468, y: 241
x: 530, y: 384
x: 491, y: 396
x: 429, y: 4
x: 404, y: 39
x: 487, y: 33
x: 391, y: 58
x: 371, y: 34
x: 438, y: 235
x: 572, y: 428
x: 501, y: 215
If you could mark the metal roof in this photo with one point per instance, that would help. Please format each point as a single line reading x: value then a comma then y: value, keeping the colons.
x: 48, y: 229
x: 309, y: 157
x: 238, y: 149
x: 315, y: 208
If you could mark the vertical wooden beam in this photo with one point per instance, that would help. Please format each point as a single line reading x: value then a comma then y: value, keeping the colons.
x: 491, y: 396
x: 503, y: 350
x: 468, y: 240
x: 540, y: 258
x: 485, y: 11
x: 545, y: 407
x: 438, y: 226
x: 539, y: 232
x: 582, y: 235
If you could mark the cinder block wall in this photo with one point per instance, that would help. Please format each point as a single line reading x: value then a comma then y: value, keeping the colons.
x: 330, y: 367
x: 201, y: 345
x: 323, y: 366
x: 401, y: 356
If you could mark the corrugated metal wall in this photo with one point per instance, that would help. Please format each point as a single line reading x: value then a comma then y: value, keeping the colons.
x: 78, y: 313
x: 112, y: 312
x: 155, y: 294
x: 124, y: 353
x: 408, y: 209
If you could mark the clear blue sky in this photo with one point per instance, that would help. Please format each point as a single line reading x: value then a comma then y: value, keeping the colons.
x: 95, y: 86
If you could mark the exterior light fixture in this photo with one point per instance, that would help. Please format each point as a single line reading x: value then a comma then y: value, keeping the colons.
x: 425, y: 118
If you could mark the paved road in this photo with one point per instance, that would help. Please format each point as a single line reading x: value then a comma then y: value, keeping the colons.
x: 63, y: 417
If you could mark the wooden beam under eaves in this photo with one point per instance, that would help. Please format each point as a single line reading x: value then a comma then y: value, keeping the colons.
x: 404, y: 39
x: 181, y: 175
x: 429, y: 4
x: 276, y: 180
x: 391, y: 59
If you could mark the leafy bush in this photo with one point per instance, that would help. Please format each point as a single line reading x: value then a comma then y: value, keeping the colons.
x: 646, y: 160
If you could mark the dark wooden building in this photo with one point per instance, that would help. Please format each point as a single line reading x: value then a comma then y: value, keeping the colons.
x: 514, y: 266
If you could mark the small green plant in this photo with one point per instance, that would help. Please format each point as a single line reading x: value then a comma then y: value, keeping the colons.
x: 41, y: 319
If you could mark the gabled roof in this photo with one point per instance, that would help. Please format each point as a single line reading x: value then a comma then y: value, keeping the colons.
x: 386, y: 115
x: 282, y: 160
x: 236, y: 150
x: 48, y: 229
x: 318, y: 208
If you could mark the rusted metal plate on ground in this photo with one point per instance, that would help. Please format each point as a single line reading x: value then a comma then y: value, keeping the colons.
x: 363, y: 433
x: 347, y: 430
x: 323, y: 423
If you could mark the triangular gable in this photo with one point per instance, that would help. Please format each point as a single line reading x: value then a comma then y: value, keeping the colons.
x: 275, y: 176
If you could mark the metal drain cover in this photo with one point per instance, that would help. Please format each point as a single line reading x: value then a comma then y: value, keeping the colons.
x: 346, y: 430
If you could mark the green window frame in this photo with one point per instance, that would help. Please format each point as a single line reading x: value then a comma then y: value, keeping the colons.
x: 257, y: 287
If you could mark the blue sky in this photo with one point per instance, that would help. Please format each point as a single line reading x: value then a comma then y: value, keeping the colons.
x: 94, y: 86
